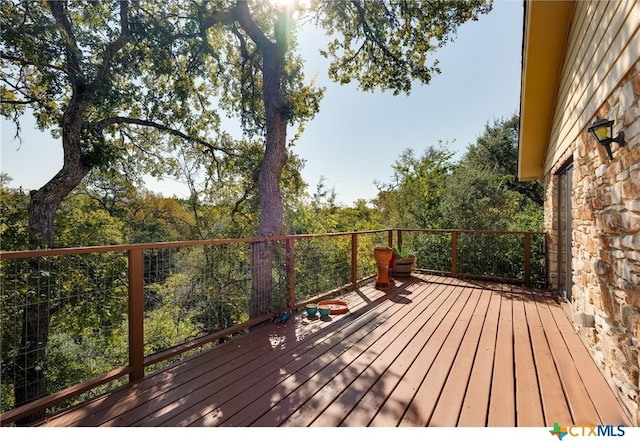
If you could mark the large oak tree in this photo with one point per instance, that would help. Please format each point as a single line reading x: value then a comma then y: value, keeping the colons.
x: 112, y: 85
x: 379, y: 44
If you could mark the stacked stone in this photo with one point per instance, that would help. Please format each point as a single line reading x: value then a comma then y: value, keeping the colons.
x: 606, y: 242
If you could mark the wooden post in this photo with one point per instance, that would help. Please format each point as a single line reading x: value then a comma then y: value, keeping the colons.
x: 547, y: 280
x: 527, y: 259
x: 454, y: 253
x: 136, y: 314
x: 354, y: 260
x: 390, y: 238
x: 399, y: 239
x: 291, y: 269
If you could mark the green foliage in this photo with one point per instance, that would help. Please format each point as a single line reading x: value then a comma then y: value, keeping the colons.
x: 204, y: 291
x: 322, y: 265
x: 14, y: 219
x: 84, y: 357
x: 434, y: 249
x: 482, y: 191
x: 474, y: 199
x: 320, y: 213
x: 412, y: 199
x: 145, y: 75
x: 388, y: 44
x: 82, y: 224
x: 86, y: 297
x: 403, y: 252
x: 497, y: 150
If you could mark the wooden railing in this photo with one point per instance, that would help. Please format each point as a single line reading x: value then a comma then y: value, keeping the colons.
x: 508, y: 256
x: 308, y: 267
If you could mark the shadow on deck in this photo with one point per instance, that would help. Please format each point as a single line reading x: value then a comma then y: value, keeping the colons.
x: 432, y: 351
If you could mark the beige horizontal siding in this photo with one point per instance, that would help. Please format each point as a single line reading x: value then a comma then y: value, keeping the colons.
x: 603, y: 44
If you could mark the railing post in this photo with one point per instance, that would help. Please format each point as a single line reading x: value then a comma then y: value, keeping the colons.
x: 354, y: 260
x: 454, y: 253
x: 547, y: 279
x: 136, y: 314
x: 291, y: 269
x: 390, y: 238
x: 527, y: 259
x: 399, y: 239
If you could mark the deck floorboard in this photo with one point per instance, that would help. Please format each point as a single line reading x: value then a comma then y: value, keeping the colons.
x: 431, y: 351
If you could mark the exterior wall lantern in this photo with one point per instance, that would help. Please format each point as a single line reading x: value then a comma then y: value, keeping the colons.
x: 602, y: 130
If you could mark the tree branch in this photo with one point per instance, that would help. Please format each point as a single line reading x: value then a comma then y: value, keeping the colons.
x: 243, y: 16
x: 115, y: 45
x: 369, y: 33
x: 218, y: 17
x: 18, y: 102
x: 100, y: 125
x: 24, y: 62
x: 58, y: 10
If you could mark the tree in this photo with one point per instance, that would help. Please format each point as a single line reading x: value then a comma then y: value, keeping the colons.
x: 474, y: 199
x: 412, y: 199
x: 483, y: 191
x: 497, y: 149
x: 107, y: 80
x: 83, y: 290
x: 13, y: 218
x: 383, y: 44
x: 247, y: 50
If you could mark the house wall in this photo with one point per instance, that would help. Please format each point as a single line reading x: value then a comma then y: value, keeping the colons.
x: 601, y: 78
x: 602, y: 45
x: 606, y: 240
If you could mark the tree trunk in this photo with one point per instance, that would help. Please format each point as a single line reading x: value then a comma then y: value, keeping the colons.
x: 36, y: 316
x: 271, y: 205
x: 45, y: 201
x: 31, y: 365
x: 275, y: 157
x: 32, y: 359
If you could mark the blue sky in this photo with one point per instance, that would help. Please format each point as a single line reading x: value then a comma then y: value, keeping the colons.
x: 356, y: 136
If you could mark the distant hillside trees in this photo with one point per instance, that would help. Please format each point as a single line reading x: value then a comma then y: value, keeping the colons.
x: 480, y: 191
x: 483, y: 192
x: 412, y: 199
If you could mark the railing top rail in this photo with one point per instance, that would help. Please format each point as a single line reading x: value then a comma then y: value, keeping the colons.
x: 440, y: 230
x: 25, y: 254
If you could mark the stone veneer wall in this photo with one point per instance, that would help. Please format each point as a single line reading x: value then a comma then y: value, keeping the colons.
x: 606, y: 242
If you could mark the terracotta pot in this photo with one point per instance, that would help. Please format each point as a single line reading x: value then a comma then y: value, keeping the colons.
x: 383, y: 256
x: 336, y: 306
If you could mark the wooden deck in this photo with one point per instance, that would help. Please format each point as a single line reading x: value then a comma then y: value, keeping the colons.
x: 432, y: 351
